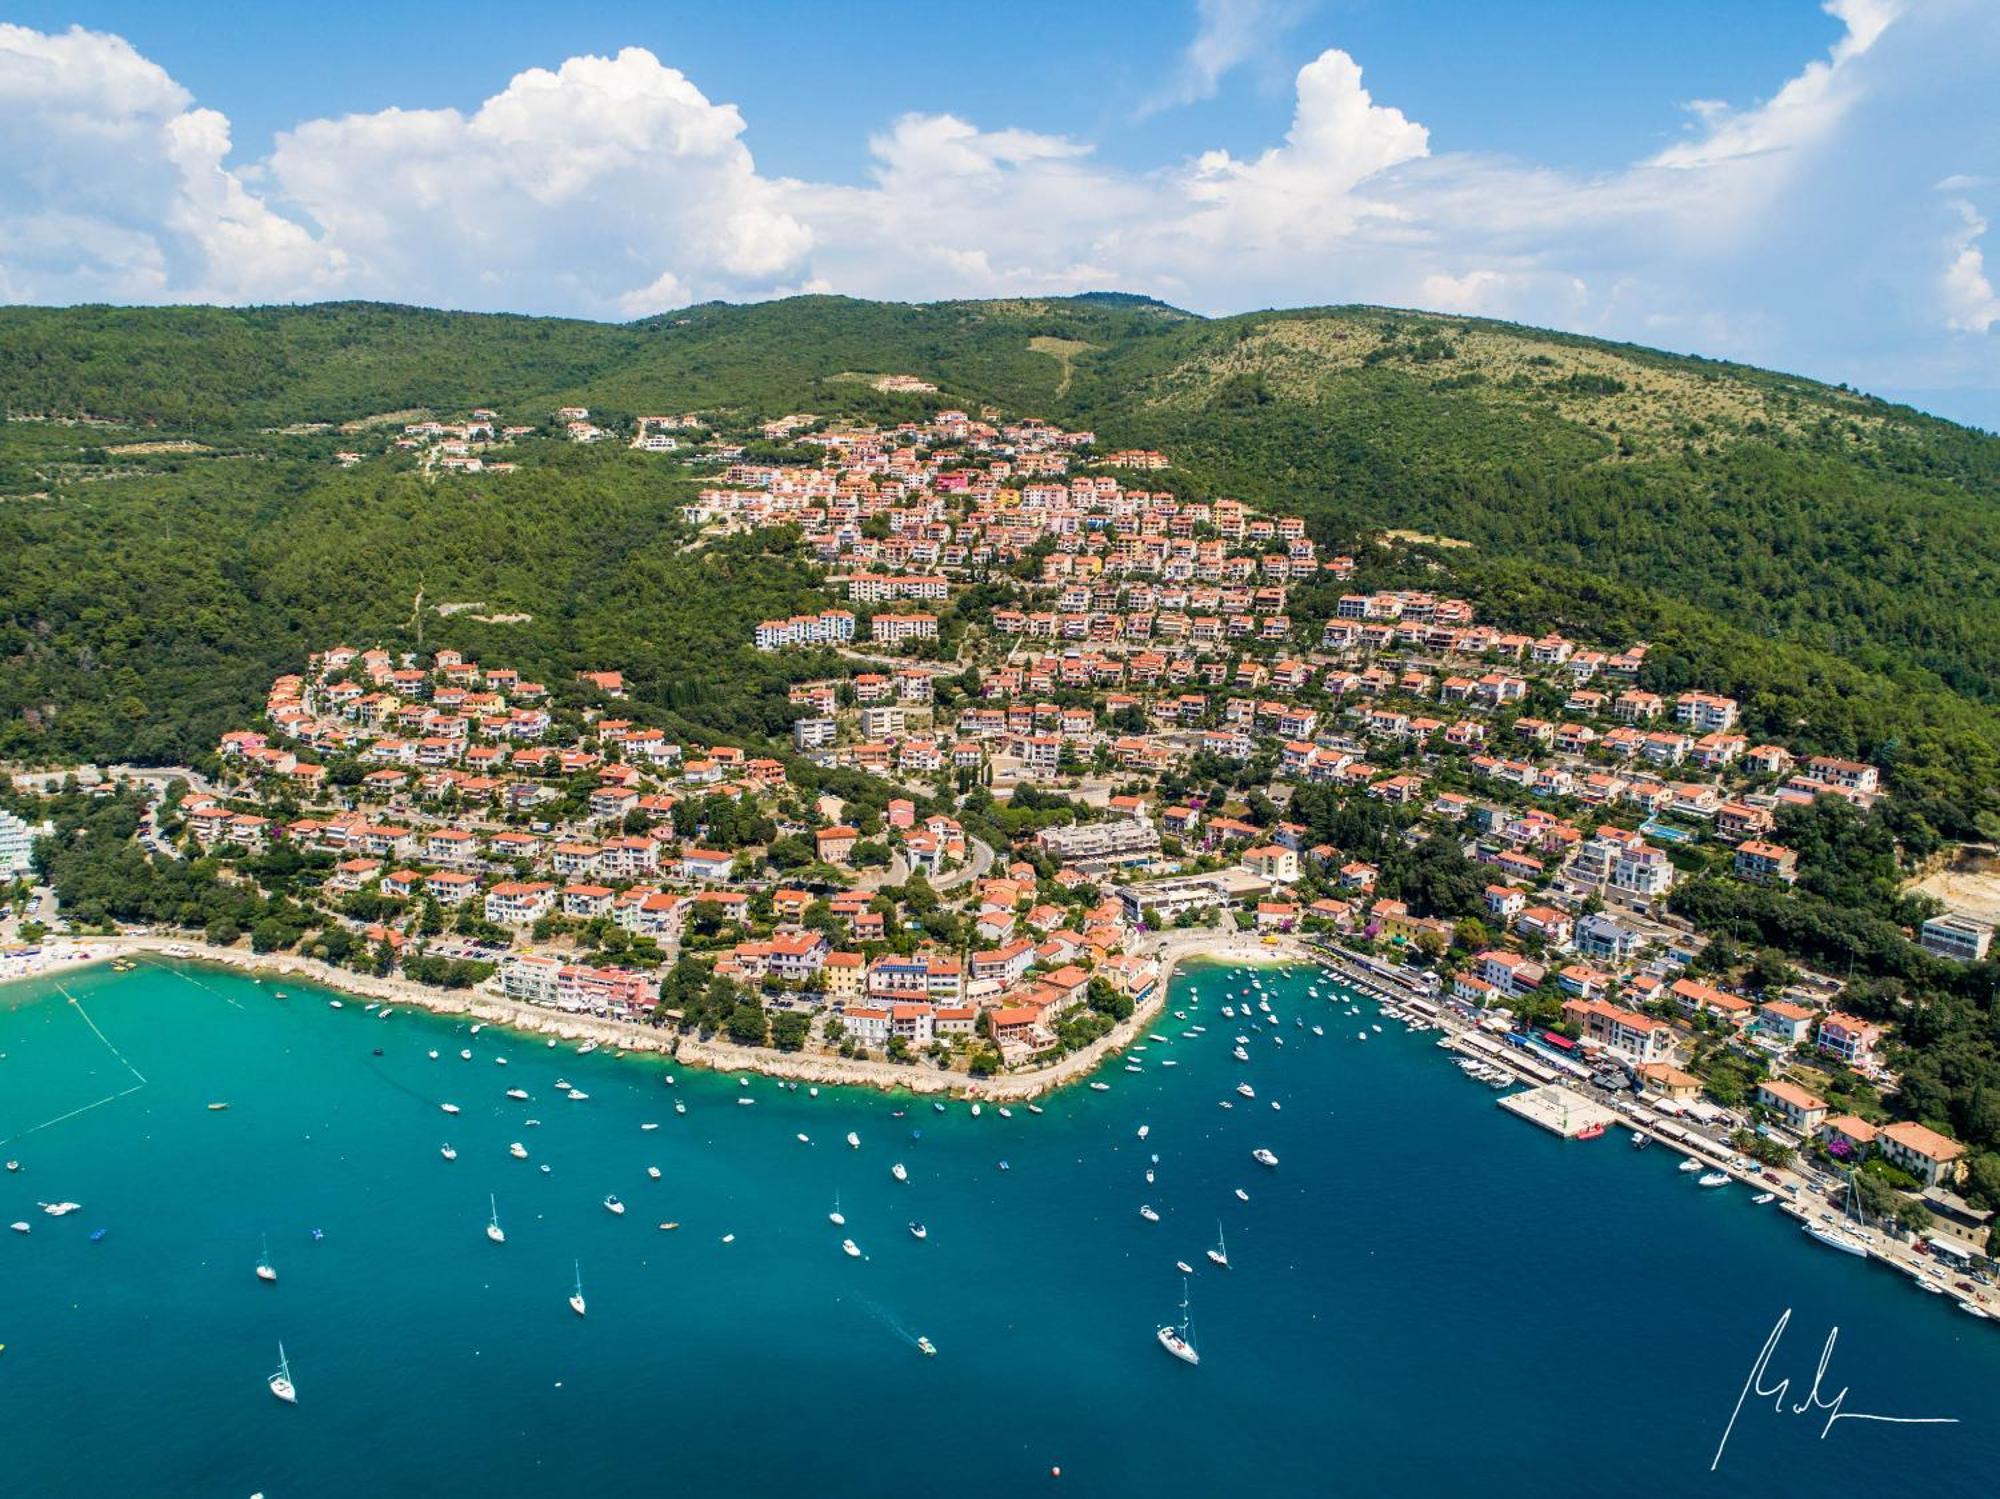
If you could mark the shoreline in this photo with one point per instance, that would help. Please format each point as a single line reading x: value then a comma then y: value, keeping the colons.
x: 69, y: 955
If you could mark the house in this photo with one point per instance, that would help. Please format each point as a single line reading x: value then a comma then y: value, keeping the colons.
x: 1766, y: 863
x: 1664, y: 1080
x: 1850, y: 1038
x: 836, y: 844
x: 1276, y: 915
x: 1847, y: 1137
x: 1273, y: 862
x: 705, y: 863
x: 1784, y: 1022
x: 1636, y: 1037
x: 1932, y: 1158
x: 517, y: 902
x: 868, y: 1025
x: 1802, y: 1112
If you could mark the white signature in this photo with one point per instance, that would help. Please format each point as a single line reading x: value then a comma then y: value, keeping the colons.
x: 1814, y: 1400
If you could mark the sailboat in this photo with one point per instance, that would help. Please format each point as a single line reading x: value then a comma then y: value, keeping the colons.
x: 281, y: 1382
x: 576, y: 1296
x: 264, y: 1270
x: 1220, y: 1253
x: 837, y: 1218
x: 1179, y: 1341
x: 493, y: 1230
x: 1838, y: 1236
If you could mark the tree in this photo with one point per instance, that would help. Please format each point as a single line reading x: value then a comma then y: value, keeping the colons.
x: 747, y: 1023
x: 790, y: 1029
x: 269, y: 935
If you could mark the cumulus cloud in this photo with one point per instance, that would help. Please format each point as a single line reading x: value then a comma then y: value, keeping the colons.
x: 608, y: 184
x: 113, y: 185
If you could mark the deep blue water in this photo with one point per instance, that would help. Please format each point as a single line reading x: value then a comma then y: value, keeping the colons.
x: 1427, y: 1296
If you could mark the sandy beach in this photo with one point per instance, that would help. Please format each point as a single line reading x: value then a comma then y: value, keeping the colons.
x: 1171, y: 950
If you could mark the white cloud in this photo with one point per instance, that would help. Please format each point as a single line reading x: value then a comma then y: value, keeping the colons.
x: 612, y: 181
x: 112, y: 185
x: 1799, y: 231
x: 1971, y: 305
x: 1802, y: 110
x: 1228, y: 33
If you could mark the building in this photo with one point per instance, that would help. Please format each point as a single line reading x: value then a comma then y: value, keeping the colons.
x: 1168, y: 900
x: 1851, y: 1039
x: 1947, y: 936
x: 17, y: 840
x: 1802, y: 1112
x: 1766, y: 863
x: 814, y: 733
x: 1637, y: 1038
x: 1932, y: 1158
x: 1096, y: 846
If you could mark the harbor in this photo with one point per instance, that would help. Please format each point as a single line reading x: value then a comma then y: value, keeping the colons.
x: 327, y: 1167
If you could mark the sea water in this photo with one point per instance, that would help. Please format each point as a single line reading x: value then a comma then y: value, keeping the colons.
x: 1426, y: 1296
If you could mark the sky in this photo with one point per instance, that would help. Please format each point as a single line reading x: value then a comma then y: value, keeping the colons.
x: 1798, y: 185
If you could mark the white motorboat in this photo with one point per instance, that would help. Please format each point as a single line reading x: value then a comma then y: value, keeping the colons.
x: 614, y: 1207
x: 1764, y: 1198
x: 1713, y: 1179
x: 649, y: 1127
x: 1184, y: 1267
x: 849, y: 1248
x: 493, y: 1229
x: 449, y: 1108
x: 853, y: 1140
x: 19, y: 1227
x: 59, y: 1209
x: 1241, y: 1195
x: 653, y: 1172
x: 562, y: 1085
x: 1240, y: 1054
x: 1034, y: 1108
x: 900, y: 1172
x: 465, y: 1055
x: 519, y: 1095
x: 1145, y: 1130
x: 433, y: 1054
x: 576, y: 1296
x: 1263, y: 1157
x: 577, y: 1095
x: 1246, y: 1090
x: 918, y: 1231
x: 747, y: 1102
x: 518, y: 1151
x: 1149, y: 1213
x: 281, y: 1382
x: 1689, y: 1166
x: 1149, y: 1176
x: 975, y: 1111
x: 1097, y: 1087
x: 448, y: 1152
x: 1179, y: 1341
x: 679, y: 1107
x: 1006, y: 1113
x: 1317, y: 1031
x: 804, y: 1138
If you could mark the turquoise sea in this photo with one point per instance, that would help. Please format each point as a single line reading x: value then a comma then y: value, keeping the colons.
x: 1427, y: 1296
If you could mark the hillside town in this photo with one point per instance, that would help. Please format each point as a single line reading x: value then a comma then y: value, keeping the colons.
x: 1041, y: 724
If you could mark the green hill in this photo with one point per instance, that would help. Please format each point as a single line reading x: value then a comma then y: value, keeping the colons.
x: 1801, y: 530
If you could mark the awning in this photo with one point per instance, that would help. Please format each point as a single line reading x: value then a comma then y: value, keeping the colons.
x: 1952, y: 1246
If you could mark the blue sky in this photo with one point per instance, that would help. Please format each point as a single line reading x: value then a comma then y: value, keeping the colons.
x: 1779, y: 182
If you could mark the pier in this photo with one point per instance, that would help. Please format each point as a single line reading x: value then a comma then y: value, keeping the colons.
x: 1560, y: 1111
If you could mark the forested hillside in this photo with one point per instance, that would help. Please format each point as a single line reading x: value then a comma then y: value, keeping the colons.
x: 175, y: 527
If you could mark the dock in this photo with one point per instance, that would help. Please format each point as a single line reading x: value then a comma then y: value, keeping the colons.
x: 1560, y: 1111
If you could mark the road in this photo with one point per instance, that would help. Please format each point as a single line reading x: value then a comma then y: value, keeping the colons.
x: 973, y: 869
